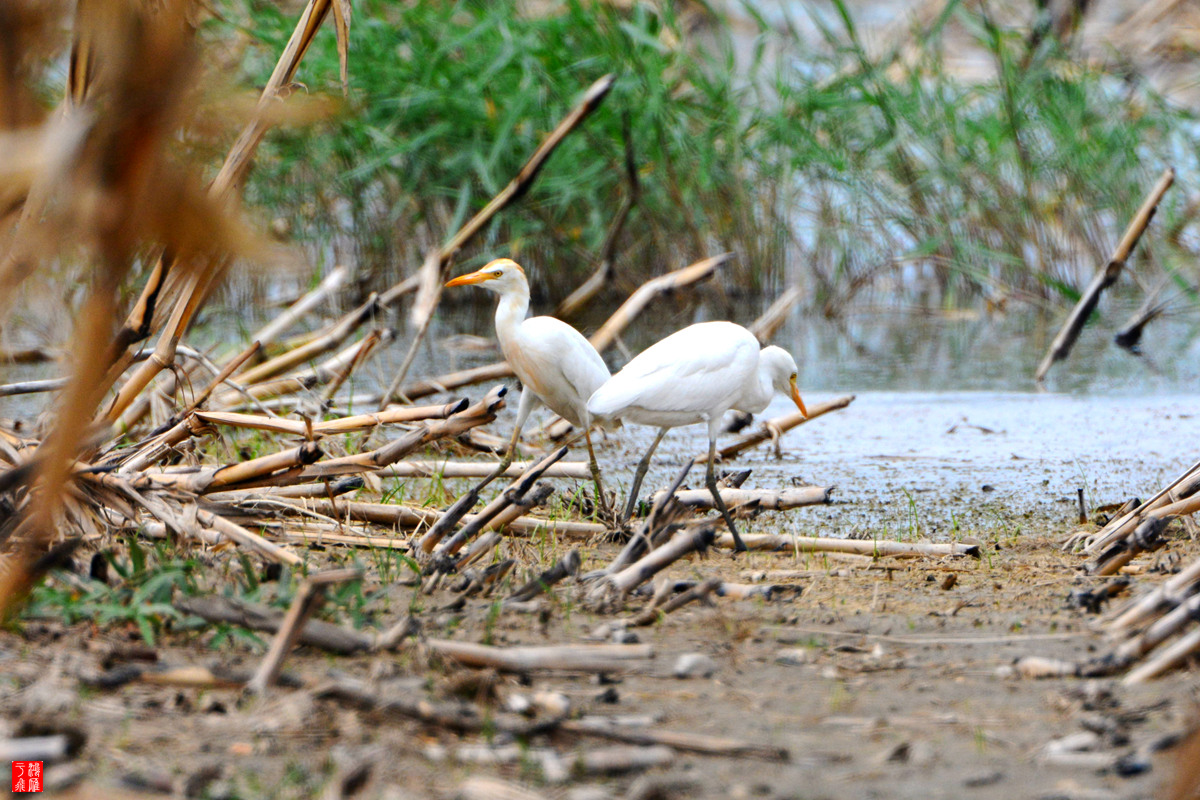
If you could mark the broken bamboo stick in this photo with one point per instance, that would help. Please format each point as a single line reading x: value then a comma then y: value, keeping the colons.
x: 775, y: 428
x: 390, y: 416
x: 1060, y: 348
x: 870, y: 547
x: 567, y: 658
x: 310, y: 595
x: 480, y: 469
x: 769, y: 499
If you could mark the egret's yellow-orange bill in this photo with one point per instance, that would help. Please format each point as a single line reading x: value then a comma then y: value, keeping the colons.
x: 796, y: 399
x: 471, y: 277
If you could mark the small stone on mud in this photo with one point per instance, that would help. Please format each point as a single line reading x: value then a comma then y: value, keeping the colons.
x: 915, y: 753
x: 589, y: 793
x: 694, y: 665
x: 984, y: 779
x: 794, y: 657
x: 609, y: 695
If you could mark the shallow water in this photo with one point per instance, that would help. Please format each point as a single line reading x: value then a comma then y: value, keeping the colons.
x: 945, y: 407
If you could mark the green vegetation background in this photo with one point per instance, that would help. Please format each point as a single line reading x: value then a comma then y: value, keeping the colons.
x: 813, y: 162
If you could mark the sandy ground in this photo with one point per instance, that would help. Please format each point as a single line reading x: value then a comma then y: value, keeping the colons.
x: 881, y: 679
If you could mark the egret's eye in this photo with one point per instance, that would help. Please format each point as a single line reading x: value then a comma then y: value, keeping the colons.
x: 793, y: 376
x: 496, y: 273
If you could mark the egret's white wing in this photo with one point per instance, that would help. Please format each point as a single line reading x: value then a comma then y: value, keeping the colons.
x: 558, y: 364
x: 698, y: 370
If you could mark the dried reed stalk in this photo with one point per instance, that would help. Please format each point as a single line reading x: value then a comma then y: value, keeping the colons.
x: 568, y: 658
x: 769, y: 499
x: 875, y: 548
x: 331, y: 338
x: 1124, y: 524
x: 566, y: 566
x: 602, y: 276
x: 603, y: 338
x: 1060, y: 348
x: 358, y: 422
x: 608, y: 591
x: 775, y: 428
x: 654, y: 612
x: 398, y: 516
x: 314, y: 633
x: 437, y: 264
x: 310, y: 595
x: 329, y: 285
x: 477, y: 469
x: 200, y: 279
x: 508, y: 497
x: 680, y: 740
x: 770, y: 321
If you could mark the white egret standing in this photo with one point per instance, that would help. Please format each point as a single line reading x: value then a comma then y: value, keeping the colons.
x: 696, y: 375
x: 555, y: 363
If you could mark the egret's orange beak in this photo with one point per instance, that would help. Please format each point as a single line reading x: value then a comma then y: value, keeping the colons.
x: 471, y: 277
x: 796, y: 399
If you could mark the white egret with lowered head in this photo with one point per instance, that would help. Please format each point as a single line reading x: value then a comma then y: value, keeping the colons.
x: 555, y: 363
x: 695, y: 375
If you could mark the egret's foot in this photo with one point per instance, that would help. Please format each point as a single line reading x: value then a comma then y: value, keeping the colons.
x: 606, y: 511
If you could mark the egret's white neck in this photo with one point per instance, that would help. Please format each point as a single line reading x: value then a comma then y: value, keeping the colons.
x: 511, y: 311
x: 758, y: 393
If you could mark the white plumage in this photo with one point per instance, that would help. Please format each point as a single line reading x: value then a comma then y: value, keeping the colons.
x: 695, y: 375
x: 555, y: 363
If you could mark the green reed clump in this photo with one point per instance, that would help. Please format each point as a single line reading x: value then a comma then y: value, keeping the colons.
x: 1020, y: 183
x: 816, y: 162
x: 448, y: 100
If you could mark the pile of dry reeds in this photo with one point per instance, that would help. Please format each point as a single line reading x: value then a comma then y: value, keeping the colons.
x: 1156, y: 630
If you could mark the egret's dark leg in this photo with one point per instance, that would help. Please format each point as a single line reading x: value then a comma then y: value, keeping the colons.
x: 524, y: 409
x: 601, y: 501
x: 642, y: 466
x: 710, y: 480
